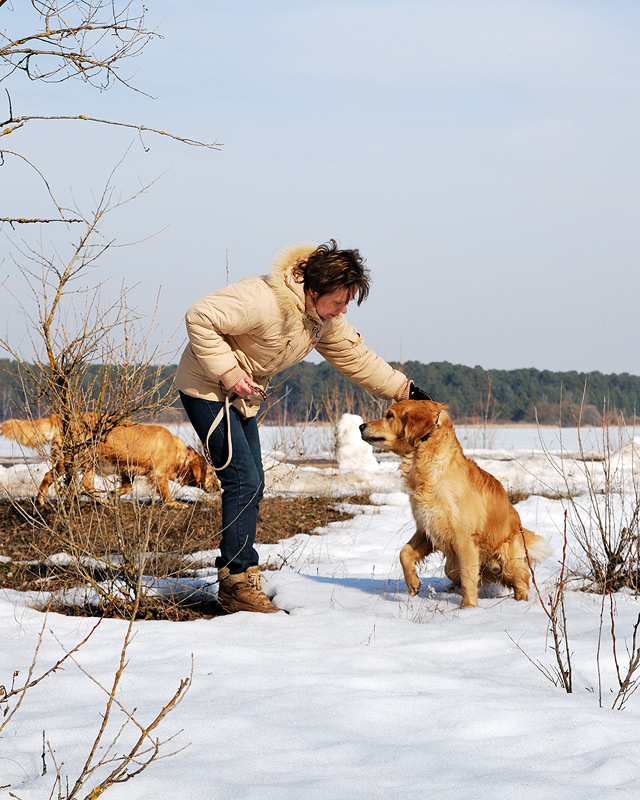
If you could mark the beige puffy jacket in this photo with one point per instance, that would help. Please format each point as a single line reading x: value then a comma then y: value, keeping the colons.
x: 259, y: 326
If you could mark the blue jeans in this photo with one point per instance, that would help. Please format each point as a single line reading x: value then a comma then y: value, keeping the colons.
x: 242, y: 480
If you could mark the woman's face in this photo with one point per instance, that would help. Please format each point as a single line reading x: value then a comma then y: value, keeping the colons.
x: 331, y: 305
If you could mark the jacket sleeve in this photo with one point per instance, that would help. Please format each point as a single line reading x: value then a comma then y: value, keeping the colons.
x: 227, y: 312
x: 343, y: 347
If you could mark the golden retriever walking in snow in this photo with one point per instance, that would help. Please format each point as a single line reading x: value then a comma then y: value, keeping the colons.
x: 459, y: 509
x: 149, y: 450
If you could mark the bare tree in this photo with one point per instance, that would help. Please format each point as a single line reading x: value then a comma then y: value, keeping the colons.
x: 94, y: 41
x: 91, y: 363
x: 94, y: 365
x: 93, y: 354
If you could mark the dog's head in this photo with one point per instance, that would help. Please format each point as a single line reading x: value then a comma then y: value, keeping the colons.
x: 199, y: 473
x: 405, y: 425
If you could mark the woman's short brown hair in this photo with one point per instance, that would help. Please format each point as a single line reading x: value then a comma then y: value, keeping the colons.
x: 329, y: 270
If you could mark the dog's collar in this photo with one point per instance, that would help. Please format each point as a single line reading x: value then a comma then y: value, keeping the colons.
x: 437, y: 425
x: 183, y: 468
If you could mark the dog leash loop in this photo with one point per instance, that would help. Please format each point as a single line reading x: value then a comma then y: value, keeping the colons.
x: 224, y: 410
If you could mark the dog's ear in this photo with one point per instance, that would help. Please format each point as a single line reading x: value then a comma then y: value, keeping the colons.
x: 200, y: 468
x: 192, y: 462
x: 421, y: 420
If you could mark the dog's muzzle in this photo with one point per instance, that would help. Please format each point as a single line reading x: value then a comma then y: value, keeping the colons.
x: 368, y: 439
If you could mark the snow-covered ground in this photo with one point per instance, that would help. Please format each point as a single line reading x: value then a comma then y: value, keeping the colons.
x: 358, y: 691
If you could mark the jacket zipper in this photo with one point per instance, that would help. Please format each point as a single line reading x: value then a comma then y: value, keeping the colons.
x: 278, y: 358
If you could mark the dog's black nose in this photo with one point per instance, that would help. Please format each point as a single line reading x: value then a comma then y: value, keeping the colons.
x: 363, y: 426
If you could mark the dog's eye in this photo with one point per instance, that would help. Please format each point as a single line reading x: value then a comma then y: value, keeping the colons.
x: 389, y: 415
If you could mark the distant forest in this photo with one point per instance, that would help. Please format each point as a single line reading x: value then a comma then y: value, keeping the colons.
x: 319, y: 392
x: 473, y: 394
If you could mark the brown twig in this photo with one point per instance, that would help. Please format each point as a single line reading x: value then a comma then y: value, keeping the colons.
x: 140, y: 128
x: 34, y: 220
x: 555, y: 611
x: 20, y: 692
x: 628, y: 683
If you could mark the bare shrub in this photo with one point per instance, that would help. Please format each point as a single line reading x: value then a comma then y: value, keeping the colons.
x: 553, y: 605
x: 486, y: 414
x: 338, y: 400
x: 604, y: 519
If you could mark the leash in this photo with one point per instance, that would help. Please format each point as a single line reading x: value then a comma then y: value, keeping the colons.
x: 225, y: 410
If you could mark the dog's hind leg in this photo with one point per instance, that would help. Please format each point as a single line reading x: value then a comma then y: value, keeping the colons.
x: 520, y: 584
x: 417, y: 549
x: 516, y: 571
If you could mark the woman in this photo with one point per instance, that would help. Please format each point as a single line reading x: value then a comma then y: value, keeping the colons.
x: 239, y: 337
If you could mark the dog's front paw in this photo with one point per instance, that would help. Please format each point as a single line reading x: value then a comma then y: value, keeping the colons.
x: 413, y: 585
x: 176, y: 504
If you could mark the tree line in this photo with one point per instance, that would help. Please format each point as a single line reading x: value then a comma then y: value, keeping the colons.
x: 318, y: 392
x: 473, y: 394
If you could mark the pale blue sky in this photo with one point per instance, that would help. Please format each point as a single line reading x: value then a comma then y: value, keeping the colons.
x: 484, y: 157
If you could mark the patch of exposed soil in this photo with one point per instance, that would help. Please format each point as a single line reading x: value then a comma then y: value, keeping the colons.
x: 105, y: 540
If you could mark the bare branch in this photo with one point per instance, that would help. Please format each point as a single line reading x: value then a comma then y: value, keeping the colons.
x: 554, y: 608
x: 22, y: 221
x: 139, y: 755
x: 19, y: 156
x: 88, y: 40
x: 19, y: 121
x: 31, y: 681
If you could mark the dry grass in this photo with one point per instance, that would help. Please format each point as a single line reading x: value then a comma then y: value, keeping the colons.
x: 29, y: 537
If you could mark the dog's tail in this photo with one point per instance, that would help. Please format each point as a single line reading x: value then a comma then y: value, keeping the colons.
x: 538, y: 548
x: 31, y: 433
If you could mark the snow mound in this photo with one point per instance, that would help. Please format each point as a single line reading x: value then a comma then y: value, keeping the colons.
x: 352, y: 452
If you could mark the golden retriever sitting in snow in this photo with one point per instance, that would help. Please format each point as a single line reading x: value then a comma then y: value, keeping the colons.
x: 149, y: 450
x: 459, y: 508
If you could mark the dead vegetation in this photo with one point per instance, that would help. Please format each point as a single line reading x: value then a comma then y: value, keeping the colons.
x: 32, y: 541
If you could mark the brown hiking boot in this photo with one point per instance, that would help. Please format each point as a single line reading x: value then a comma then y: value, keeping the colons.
x: 243, y: 592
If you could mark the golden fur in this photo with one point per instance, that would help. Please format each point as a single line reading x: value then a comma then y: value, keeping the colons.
x: 45, y: 430
x: 149, y: 450
x: 459, y: 509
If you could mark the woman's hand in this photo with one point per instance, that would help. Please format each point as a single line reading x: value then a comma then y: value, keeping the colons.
x: 245, y: 387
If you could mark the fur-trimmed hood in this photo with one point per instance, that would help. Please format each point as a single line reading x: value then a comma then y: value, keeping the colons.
x: 289, y: 292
